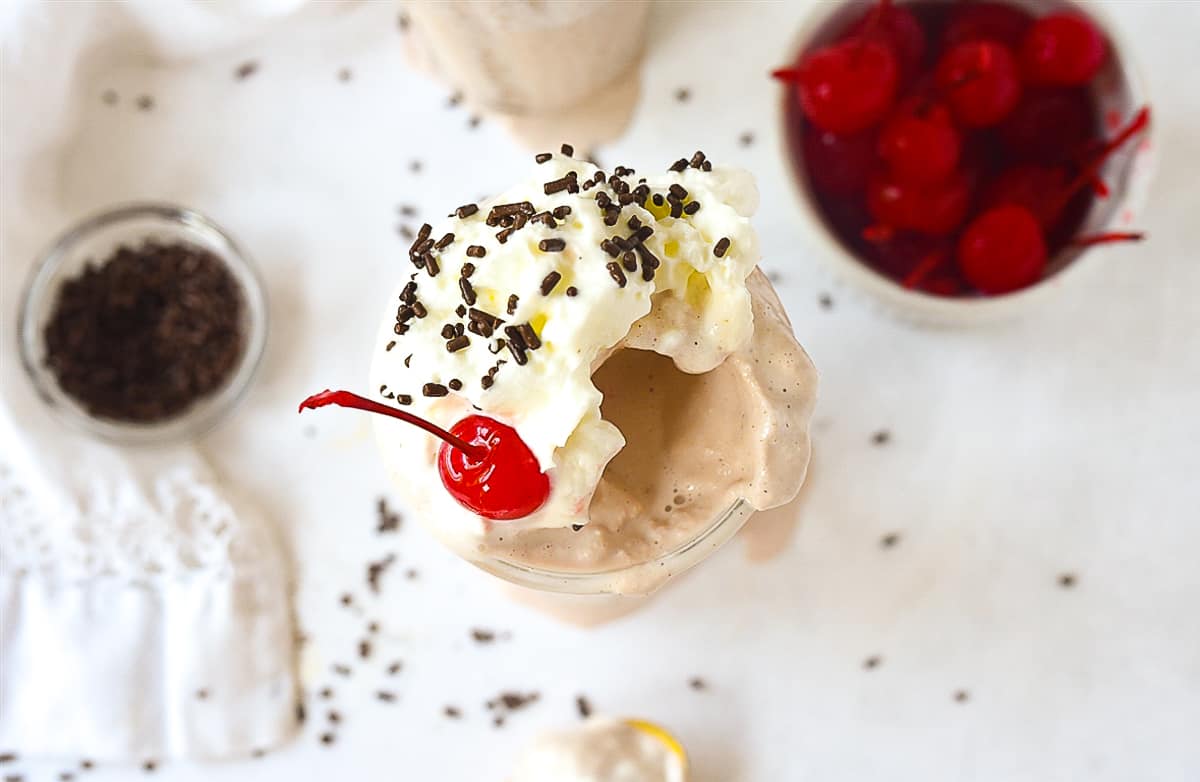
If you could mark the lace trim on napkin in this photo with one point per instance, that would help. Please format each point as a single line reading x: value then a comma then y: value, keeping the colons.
x: 177, y: 524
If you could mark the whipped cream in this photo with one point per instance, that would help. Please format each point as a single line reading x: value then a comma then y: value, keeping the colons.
x: 604, y: 750
x: 556, y: 276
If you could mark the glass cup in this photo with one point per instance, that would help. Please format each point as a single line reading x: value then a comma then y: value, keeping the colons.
x: 96, y: 238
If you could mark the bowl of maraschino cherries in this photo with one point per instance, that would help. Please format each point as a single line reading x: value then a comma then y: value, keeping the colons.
x: 961, y: 159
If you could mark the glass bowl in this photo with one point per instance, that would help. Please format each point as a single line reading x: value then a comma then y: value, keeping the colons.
x: 1119, y: 90
x: 94, y: 239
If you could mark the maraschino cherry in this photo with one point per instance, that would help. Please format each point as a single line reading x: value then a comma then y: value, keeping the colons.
x: 919, y: 142
x: 1049, y: 124
x: 935, y: 210
x: 483, y: 463
x: 845, y: 87
x: 895, y: 27
x: 839, y: 164
x: 979, y: 80
x: 1000, y: 22
x: 1002, y: 250
x: 1063, y: 49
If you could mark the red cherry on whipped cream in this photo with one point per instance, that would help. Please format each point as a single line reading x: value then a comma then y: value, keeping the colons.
x: 484, y: 464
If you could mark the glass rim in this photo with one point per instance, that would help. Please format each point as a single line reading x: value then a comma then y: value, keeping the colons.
x: 37, y: 299
x: 677, y: 561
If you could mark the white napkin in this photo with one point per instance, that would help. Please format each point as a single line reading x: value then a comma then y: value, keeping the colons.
x: 144, y: 608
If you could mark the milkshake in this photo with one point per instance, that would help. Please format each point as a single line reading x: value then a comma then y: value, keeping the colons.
x: 566, y: 69
x: 620, y: 382
x: 604, y: 750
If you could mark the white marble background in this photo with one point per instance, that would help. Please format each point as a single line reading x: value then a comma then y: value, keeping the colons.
x: 1061, y: 444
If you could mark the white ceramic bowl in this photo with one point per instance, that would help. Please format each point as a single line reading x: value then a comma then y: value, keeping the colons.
x: 1120, y: 91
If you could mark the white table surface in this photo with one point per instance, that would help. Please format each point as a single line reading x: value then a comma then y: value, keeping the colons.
x: 1064, y: 443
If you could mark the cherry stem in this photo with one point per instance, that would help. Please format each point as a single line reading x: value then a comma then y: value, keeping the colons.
x: 1116, y: 236
x: 923, y: 269
x: 1089, y: 173
x: 348, y: 399
x: 790, y: 75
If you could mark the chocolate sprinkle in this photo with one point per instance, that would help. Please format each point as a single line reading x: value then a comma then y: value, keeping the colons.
x: 584, y: 706
x: 691, y: 207
x: 512, y: 304
x: 467, y: 290
x: 542, y: 157
x: 385, y: 696
x: 568, y: 150
x: 629, y: 261
x: 458, y: 343
x: 558, y: 185
x: 476, y: 251
x: 452, y: 712
x: 486, y: 382
x: 572, y: 291
x: 721, y: 247
x: 147, y: 332
x: 448, y: 331
x: 552, y: 245
x: 466, y: 210
x: 434, y: 389
x: 679, y: 165
x: 245, y: 70
x: 549, y: 282
x: 614, y: 271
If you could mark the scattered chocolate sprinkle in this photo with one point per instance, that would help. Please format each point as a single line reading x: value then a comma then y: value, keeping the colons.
x: 258, y: 752
x: 405, y: 232
x: 407, y: 210
x: 483, y: 636
x: 86, y: 765
x: 345, y: 74
x: 340, y: 669
x: 697, y: 159
x: 650, y: 262
x: 145, y: 103
x: 882, y: 437
x: 676, y: 208
x: 584, y: 706
x: 388, y: 347
x: 872, y: 662
x: 408, y: 360
x: 515, y: 700
x: 679, y: 165
x: 419, y: 309
x: 444, y: 242
x: 109, y: 97
x: 400, y: 329
x: 455, y: 99
x: 403, y: 399
x: 432, y: 266
x: 498, y: 721
x: 202, y: 694
x: 452, y: 712
x: 8, y: 757
x: 542, y: 157
x: 415, y: 166
x: 678, y: 190
x: 576, y: 527
x: 629, y: 261
x: 961, y: 696
x: 518, y: 353
x: 456, y: 384
x: 509, y: 210
x: 496, y: 347
x: 721, y: 247
x: 434, y: 389
x: 487, y: 382
x: 568, y: 150
x: 552, y: 245
x: 458, y: 343
x: 334, y: 717
x: 65, y: 776
x: 347, y: 599
x: 889, y: 540
x: 528, y: 336
x: 706, y: 166
x: 691, y: 207
x: 561, y: 212
x: 683, y: 94
x: 385, y: 696
x: 1066, y: 580
x: 149, y: 766
x: 746, y: 138
x: 246, y: 70
x: 146, y: 333
x: 474, y: 121
x: 549, y: 282
x: 328, y: 738
x: 373, y: 627
x: 476, y: 251
x: 326, y: 693
x: 375, y: 571
x: 696, y: 683
x: 364, y: 649
x: 502, y: 236
x: 397, y: 666
x: 826, y: 301
x: 512, y: 304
